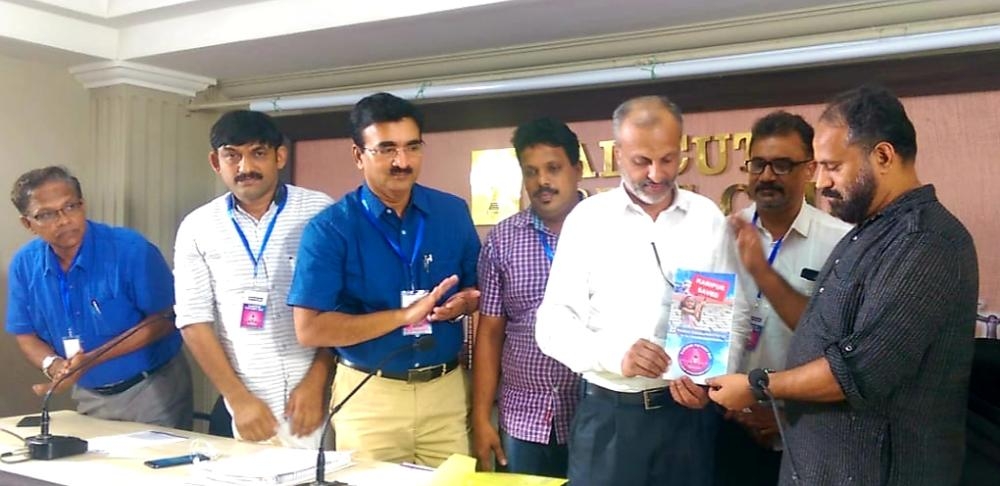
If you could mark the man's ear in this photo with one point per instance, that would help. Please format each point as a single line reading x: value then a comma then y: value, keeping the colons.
x: 884, y: 155
x: 282, y: 154
x: 213, y: 160
x: 26, y: 223
x: 356, y: 152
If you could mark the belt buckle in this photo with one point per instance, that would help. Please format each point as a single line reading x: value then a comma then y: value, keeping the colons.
x: 421, y: 375
x: 647, y: 397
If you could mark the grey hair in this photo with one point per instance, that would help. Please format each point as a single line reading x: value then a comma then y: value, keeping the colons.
x: 624, y: 109
x: 25, y: 185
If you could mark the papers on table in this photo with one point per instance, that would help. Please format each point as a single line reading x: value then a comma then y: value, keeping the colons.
x: 460, y: 470
x: 124, y: 445
x: 272, y: 466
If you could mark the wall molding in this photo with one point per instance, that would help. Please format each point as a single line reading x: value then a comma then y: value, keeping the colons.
x: 110, y: 73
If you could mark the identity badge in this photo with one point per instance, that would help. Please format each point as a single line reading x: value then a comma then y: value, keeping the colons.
x: 71, y: 346
x: 406, y: 298
x: 254, y: 307
x: 757, y: 316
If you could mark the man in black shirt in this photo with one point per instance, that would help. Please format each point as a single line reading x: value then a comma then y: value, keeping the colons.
x: 877, y: 373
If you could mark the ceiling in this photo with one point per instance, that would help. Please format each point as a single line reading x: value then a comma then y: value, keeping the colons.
x: 243, y: 42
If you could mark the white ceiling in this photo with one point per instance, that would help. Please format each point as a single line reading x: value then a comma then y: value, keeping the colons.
x: 248, y: 39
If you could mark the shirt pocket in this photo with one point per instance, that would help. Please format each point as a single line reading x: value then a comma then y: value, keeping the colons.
x: 111, y: 313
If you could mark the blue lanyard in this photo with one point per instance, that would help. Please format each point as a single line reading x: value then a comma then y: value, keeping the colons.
x: 267, y: 234
x: 63, y: 278
x: 542, y: 237
x: 396, y: 248
x: 775, y: 247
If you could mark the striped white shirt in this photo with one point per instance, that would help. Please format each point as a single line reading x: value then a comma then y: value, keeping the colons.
x: 213, y: 272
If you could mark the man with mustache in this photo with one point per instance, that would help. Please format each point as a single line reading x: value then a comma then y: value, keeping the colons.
x: 233, y: 262
x: 376, y: 272
x: 82, y: 284
x: 877, y: 373
x: 783, y: 242
x: 599, y: 316
x: 537, y: 393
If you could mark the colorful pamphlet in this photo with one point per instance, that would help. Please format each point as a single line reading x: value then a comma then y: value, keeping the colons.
x: 700, y: 324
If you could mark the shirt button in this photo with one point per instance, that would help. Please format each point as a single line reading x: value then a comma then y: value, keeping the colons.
x: 849, y: 348
x: 836, y: 261
x: 416, y: 365
x: 388, y: 211
x: 854, y: 238
x: 403, y: 232
x: 821, y: 289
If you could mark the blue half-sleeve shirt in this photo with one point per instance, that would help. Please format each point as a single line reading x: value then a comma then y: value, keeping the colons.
x: 118, y: 279
x: 346, y: 264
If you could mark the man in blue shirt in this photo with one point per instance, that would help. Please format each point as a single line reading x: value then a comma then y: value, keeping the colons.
x: 379, y: 269
x: 81, y: 285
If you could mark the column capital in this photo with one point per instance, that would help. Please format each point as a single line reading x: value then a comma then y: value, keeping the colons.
x: 110, y: 73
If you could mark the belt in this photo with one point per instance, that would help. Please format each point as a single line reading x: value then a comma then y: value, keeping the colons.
x: 650, y: 399
x: 121, y: 386
x: 413, y: 375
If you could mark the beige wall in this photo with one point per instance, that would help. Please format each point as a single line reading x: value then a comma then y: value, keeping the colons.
x: 140, y: 156
x: 958, y: 152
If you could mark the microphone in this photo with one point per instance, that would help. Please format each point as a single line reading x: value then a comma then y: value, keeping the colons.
x: 45, y: 446
x: 422, y: 343
x: 760, y: 381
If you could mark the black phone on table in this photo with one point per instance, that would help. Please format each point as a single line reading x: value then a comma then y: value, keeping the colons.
x: 175, y: 461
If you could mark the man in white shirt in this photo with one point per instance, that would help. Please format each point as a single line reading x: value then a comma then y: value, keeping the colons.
x: 599, y: 316
x: 783, y: 243
x: 234, y: 259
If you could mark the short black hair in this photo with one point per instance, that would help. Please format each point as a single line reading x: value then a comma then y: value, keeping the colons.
x: 548, y: 131
x: 379, y: 108
x: 782, y: 123
x: 25, y: 185
x: 241, y: 127
x: 873, y: 114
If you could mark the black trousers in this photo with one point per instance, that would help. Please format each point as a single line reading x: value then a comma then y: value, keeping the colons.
x: 739, y: 461
x: 618, y: 444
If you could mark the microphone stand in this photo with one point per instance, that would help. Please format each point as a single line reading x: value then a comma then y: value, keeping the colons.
x: 45, y: 446
x: 422, y: 343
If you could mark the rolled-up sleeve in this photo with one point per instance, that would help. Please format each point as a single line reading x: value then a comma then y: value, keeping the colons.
x: 901, y: 313
x: 490, y: 279
x: 192, y: 280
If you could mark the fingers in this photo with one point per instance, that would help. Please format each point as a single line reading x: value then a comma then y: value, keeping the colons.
x: 645, y: 359
x: 444, y: 287
x: 501, y: 456
x: 687, y: 393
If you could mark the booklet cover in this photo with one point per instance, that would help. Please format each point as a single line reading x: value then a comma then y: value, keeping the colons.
x: 701, y: 320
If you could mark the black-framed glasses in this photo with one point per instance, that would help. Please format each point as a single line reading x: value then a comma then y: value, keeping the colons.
x: 390, y: 152
x: 49, y: 216
x: 780, y: 166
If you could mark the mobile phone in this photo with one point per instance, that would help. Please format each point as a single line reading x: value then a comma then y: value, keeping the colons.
x: 30, y: 421
x: 175, y: 461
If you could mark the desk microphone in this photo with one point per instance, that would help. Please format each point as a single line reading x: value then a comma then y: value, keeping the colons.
x: 45, y: 446
x: 422, y: 343
x: 759, y: 384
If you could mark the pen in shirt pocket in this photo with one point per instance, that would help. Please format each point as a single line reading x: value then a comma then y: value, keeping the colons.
x: 95, y: 306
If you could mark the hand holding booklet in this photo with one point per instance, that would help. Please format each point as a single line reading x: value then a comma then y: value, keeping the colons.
x: 700, y: 324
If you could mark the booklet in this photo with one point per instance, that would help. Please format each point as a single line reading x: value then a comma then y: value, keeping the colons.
x: 700, y: 323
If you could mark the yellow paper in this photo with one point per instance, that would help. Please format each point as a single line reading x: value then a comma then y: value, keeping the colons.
x: 460, y: 470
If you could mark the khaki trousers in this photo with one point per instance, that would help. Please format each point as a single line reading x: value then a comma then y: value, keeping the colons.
x: 390, y: 420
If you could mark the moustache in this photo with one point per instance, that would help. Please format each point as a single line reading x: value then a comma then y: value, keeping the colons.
x: 544, y: 190
x: 400, y: 170
x: 831, y: 194
x: 248, y: 176
x: 769, y: 186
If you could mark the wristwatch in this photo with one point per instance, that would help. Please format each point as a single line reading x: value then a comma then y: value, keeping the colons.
x: 759, y: 379
x: 47, y: 363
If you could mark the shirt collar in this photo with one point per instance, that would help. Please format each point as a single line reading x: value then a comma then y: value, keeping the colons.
x: 418, y: 199
x: 801, y: 224
x: 85, y: 255
x: 681, y: 202
x: 921, y: 195
x: 280, y: 196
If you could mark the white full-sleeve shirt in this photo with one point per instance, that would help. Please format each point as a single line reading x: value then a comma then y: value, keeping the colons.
x: 605, y: 291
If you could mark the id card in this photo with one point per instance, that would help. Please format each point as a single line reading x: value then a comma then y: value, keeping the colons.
x: 757, y: 316
x: 406, y: 298
x: 71, y: 345
x: 254, y: 308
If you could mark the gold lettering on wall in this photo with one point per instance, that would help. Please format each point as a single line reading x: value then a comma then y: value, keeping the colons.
x: 741, y: 141
x: 608, y: 150
x: 726, y: 203
x: 588, y: 169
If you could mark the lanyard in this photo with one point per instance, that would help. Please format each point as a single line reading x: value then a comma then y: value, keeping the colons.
x: 775, y: 247
x: 542, y: 237
x: 243, y: 237
x: 410, y: 260
x: 63, y: 278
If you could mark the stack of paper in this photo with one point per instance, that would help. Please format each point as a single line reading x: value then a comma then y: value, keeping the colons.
x: 460, y: 470
x: 273, y: 466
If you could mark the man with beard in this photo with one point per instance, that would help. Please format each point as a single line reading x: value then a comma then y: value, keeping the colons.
x: 599, y: 316
x: 783, y: 242
x: 81, y: 285
x: 376, y: 271
x: 877, y: 372
x: 537, y: 393
x: 233, y: 261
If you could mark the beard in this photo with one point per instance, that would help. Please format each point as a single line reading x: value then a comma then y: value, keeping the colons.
x: 852, y: 207
x: 639, y: 190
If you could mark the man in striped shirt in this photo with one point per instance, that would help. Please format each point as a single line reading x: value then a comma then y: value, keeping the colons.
x: 537, y: 393
x: 234, y: 259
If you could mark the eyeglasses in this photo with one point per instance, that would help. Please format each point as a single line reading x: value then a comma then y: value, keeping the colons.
x: 391, y: 152
x: 49, y: 216
x: 779, y: 166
